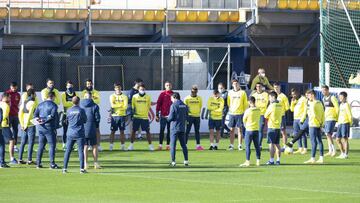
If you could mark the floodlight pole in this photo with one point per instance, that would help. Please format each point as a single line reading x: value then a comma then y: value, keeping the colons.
x: 228, y: 67
x: 162, y: 66
x: 93, y: 65
x: 22, y: 69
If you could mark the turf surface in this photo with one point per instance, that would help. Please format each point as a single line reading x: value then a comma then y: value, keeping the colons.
x: 213, y: 176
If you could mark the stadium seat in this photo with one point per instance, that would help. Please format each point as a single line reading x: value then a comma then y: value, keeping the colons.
x: 25, y: 13
x: 138, y: 15
x: 191, y: 16
x: 313, y: 5
x: 181, y: 16
x: 282, y: 4
x: 37, y: 13
x: 71, y: 14
x: 302, y: 5
x: 354, y: 5
x: 116, y: 14
x: 105, y: 14
x: 3, y: 13
x: 203, y: 16
x: 95, y: 14
x: 48, y: 13
x: 160, y: 16
x: 293, y: 4
x: 15, y: 12
x: 213, y: 16
x: 60, y: 14
x: 127, y: 15
x: 83, y: 14
x: 262, y: 3
x: 223, y: 16
x: 234, y: 16
x: 149, y: 15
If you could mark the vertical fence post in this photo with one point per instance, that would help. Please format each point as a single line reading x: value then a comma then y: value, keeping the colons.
x: 22, y: 69
x: 228, y: 67
x: 162, y: 66
x: 9, y: 17
x: 93, y: 64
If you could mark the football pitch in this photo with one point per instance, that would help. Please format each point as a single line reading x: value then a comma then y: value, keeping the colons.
x: 213, y: 176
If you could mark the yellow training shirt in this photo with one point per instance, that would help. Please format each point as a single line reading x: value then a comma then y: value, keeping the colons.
x: 316, y: 114
x: 141, y: 106
x: 95, y: 95
x: 261, y: 101
x: 331, y: 105
x: 284, y: 101
x: 237, y: 102
x: 45, y: 92
x: 119, y: 104
x: 299, y: 107
x: 251, y: 119
x: 194, y: 104
x: 215, y: 106
x: 345, y: 115
x: 6, y: 110
x: 274, y: 115
x: 26, y: 113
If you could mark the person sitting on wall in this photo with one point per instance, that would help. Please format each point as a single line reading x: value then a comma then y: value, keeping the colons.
x: 261, y: 78
x: 355, y: 81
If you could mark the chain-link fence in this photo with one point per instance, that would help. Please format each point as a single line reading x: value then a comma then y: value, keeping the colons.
x: 183, y: 66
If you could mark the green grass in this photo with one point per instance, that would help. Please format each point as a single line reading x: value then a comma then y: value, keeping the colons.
x: 213, y: 176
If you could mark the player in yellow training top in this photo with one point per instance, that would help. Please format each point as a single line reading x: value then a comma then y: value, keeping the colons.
x: 298, y: 106
x: 194, y: 104
x: 119, y: 105
x: 274, y: 114
x: 316, y: 116
x: 251, y: 122
x: 262, y: 101
x: 344, y: 122
x: 284, y: 101
x: 141, y: 104
x: 237, y: 102
x: 50, y: 88
x: 215, y: 106
x: 331, y: 105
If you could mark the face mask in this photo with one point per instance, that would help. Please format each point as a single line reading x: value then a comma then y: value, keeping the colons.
x: 70, y: 90
x: 262, y: 74
x: 221, y: 90
x: 89, y: 88
x: 141, y: 92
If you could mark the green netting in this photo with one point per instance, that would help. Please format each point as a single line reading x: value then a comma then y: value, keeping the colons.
x: 339, y: 45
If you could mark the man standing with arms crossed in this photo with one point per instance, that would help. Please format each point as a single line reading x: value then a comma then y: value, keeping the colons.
x: 89, y: 87
x: 162, y: 111
x: 194, y: 104
x: 237, y: 102
x: 119, y: 105
x: 262, y: 101
x: 177, y: 117
x: 47, y: 117
x: 331, y: 105
x: 14, y: 111
x: 50, y: 88
x: 93, y: 118
x: 76, y: 118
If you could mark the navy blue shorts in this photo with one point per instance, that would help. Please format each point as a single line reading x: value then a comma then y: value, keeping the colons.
x: 343, y: 130
x: 143, y: 123
x: 215, y: 124
x: 236, y: 121
x: 329, y: 127
x: 8, y: 135
x: 90, y: 141
x: 273, y: 136
x: 283, y: 123
x: 118, y: 123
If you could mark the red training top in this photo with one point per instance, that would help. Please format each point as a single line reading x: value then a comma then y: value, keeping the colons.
x: 14, y: 102
x: 163, y: 103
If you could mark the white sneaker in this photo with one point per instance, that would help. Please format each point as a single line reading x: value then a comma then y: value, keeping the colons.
x: 245, y: 164
x: 100, y: 148
x: 130, y: 148
x: 151, y: 147
x: 90, y: 148
x: 16, y: 149
x: 342, y: 156
x: 111, y: 147
x: 122, y: 147
x: 310, y: 161
x: 320, y: 161
x: 240, y: 147
x: 173, y: 164
x: 186, y: 163
x: 258, y: 162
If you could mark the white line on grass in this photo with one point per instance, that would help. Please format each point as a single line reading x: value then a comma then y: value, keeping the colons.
x: 237, y: 184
